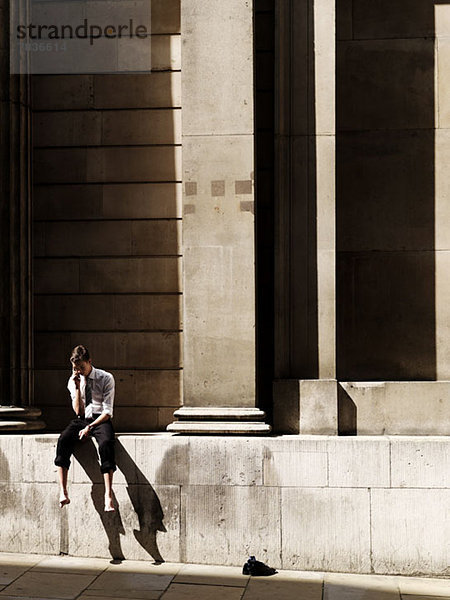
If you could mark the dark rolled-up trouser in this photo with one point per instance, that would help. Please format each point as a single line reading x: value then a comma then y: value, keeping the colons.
x: 104, y: 435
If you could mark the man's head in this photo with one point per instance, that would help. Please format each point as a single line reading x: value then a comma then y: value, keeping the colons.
x: 81, y: 361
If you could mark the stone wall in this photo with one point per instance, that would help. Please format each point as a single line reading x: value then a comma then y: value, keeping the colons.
x: 107, y: 231
x: 362, y: 505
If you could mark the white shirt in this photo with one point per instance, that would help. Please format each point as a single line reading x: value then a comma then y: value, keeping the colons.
x: 102, y: 386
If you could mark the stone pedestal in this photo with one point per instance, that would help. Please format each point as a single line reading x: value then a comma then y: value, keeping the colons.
x: 15, y: 244
x: 218, y: 219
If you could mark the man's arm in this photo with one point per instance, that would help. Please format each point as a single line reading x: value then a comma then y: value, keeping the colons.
x: 75, y: 393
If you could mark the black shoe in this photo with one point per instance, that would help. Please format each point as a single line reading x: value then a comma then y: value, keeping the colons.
x: 256, y: 568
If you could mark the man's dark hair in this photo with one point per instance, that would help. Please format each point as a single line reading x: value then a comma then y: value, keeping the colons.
x: 79, y: 353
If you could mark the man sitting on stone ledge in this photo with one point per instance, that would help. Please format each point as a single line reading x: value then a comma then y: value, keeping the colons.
x: 92, y: 400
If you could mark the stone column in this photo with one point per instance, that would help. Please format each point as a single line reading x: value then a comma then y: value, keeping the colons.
x: 218, y: 219
x: 305, y: 392
x: 16, y: 412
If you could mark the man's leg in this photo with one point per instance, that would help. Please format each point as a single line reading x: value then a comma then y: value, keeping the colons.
x: 104, y: 434
x: 64, y: 450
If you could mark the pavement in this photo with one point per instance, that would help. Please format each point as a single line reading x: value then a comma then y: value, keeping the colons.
x: 30, y: 576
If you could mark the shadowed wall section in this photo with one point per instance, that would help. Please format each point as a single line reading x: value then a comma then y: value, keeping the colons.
x: 107, y: 229
x: 389, y: 133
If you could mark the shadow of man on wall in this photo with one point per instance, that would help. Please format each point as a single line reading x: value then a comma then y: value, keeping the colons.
x: 143, y: 498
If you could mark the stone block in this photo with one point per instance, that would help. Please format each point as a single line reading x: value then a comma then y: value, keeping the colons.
x: 108, y: 312
x: 130, y: 275
x: 217, y: 84
x: 296, y: 469
x: 399, y: 407
x: 132, y: 349
x: 387, y: 316
x: 166, y: 52
x: 39, y: 454
x: 11, y: 464
x: 414, y: 587
x: 59, y: 165
x: 165, y: 414
x: 384, y: 19
x: 442, y: 188
x: 344, y: 20
x: 40, y: 505
x: 141, y: 127
x: 136, y: 419
x: 410, y: 531
x: 74, y: 128
x: 135, y: 531
x: 442, y: 297
x: 148, y: 388
x: 62, y: 92
x: 11, y: 520
x: 324, y: 66
x: 385, y: 84
x: 420, y: 463
x: 359, y: 463
x: 155, y: 90
x: 229, y: 461
x: 234, y: 520
x: 56, y: 202
x: 133, y: 164
x: 165, y: 16
x: 286, y: 406
x: 384, y: 202
x: 163, y: 460
x: 329, y: 529
x: 318, y: 407
x: 151, y: 238
x: 142, y: 201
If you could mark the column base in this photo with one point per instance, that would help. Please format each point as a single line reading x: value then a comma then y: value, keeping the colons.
x: 20, y: 418
x: 243, y: 421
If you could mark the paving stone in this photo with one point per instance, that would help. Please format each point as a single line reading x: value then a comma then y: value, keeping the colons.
x: 419, y: 586
x: 285, y: 586
x: 139, y: 566
x: 212, y: 575
x: 10, y: 572
x: 180, y: 591
x: 124, y: 584
x: 72, y: 564
x: 50, y: 585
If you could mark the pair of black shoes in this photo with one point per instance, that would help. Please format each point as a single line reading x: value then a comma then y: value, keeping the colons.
x: 257, y: 568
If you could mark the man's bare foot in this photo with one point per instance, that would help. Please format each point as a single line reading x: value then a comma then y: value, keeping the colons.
x: 64, y: 499
x: 109, y: 506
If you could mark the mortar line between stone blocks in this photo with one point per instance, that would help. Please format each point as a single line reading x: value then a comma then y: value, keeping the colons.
x: 390, y: 463
x: 370, y: 531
